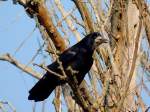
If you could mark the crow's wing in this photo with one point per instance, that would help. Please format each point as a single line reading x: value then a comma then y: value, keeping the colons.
x: 70, y: 54
x: 48, y: 82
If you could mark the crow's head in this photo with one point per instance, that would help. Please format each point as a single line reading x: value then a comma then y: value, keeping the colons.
x: 93, y: 40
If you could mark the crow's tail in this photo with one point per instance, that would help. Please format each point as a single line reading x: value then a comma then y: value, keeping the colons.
x: 43, y: 88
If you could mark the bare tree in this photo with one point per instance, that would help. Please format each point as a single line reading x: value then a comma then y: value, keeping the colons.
x: 113, y: 84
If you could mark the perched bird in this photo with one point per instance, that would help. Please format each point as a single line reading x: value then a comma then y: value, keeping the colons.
x: 78, y: 57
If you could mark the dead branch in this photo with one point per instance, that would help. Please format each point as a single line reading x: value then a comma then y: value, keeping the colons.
x: 7, y: 57
x: 80, y: 4
x: 9, y: 105
x: 50, y: 71
x: 132, y: 69
x: 40, y: 11
x: 68, y: 21
x: 145, y: 14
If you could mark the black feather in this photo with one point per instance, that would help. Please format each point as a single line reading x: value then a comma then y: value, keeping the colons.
x: 78, y: 57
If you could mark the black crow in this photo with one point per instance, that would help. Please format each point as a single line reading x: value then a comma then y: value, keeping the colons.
x: 78, y: 58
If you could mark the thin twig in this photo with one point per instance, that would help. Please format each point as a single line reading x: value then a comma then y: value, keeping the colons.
x: 50, y: 71
x: 7, y: 57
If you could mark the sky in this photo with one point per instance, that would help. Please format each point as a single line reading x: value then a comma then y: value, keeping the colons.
x: 16, y: 26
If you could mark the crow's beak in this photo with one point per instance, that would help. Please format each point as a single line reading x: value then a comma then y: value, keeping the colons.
x: 105, y: 40
x: 100, y: 40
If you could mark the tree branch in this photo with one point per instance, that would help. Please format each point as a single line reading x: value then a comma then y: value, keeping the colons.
x: 7, y: 57
x: 85, y: 14
x: 39, y: 10
x: 136, y: 47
